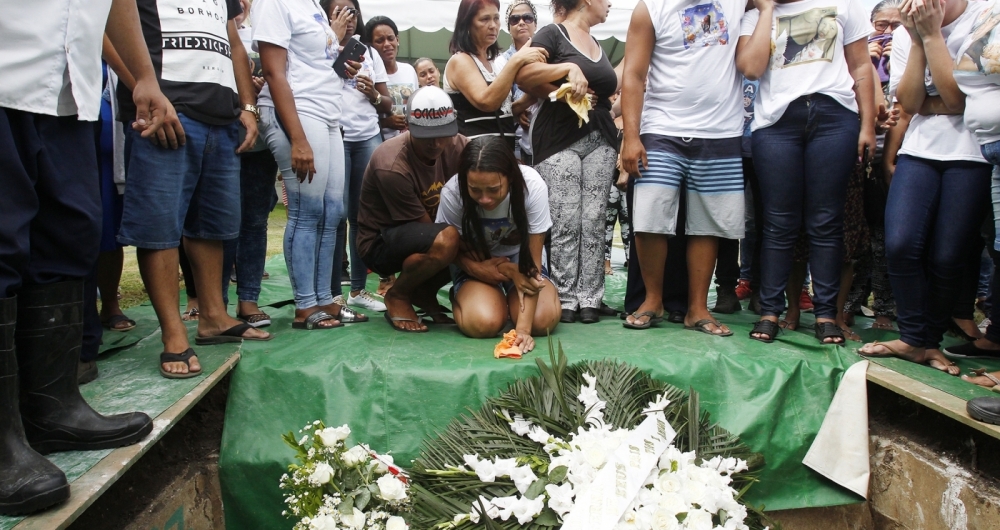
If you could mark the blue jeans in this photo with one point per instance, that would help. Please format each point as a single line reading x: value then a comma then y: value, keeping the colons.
x: 257, y: 198
x: 991, y: 152
x: 932, y: 215
x: 191, y: 191
x: 315, y: 207
x: 356, y: 157
x: 803, y: 163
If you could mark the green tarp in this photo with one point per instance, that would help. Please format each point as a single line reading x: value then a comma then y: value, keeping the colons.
x: 396, y: 389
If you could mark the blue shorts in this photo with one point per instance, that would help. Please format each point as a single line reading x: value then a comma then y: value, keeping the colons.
x: 192, y: 191
x: 709, y: 175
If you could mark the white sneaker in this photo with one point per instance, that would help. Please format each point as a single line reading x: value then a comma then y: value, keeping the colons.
x: 367, y: 301
x: 339, y: 300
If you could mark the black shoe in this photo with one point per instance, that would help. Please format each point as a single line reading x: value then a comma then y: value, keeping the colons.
x: 86, y: 372
x: 985, y: 409
x: 969, y: 350
x: 675, y: 317
x: 607, y: 311
x: 726, y: 301
x: 754, y: 304
x: 590, y: 315
x: 29, y: 482
x: 568, y: 316
x: 54, y: 414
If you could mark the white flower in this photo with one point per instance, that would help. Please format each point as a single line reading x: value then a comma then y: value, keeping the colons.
x: 396, y: 523
x: 538, y: 435
x: 321, y: 474
x: 391, y: 488
x: 355, y: 520
x: 505, y: 505
x: 520, y: 426
x: 323, y: 522
x: 560, y: 497
x: 525, y: 510
x: 522, y: 477
x: 355, y: 456
x: 504, y: 466
x: 664, y: 520
x: 492, y: 511
x: 698, y: 520
x: 668, y: 483
x: 656, y: 406
x: 331, y: 435
x: 484, y: 469
x: 382, y: 463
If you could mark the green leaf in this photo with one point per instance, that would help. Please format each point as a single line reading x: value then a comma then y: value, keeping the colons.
x: 362, y: 498
x: 346, y: 506
x: 536, y: 488
x: 547, y: 518
x: 558, y: 474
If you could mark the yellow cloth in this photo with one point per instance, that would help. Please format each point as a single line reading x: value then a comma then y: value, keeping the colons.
x: 581, y: 108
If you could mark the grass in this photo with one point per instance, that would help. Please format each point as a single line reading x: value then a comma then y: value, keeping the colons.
x: 133, y: 292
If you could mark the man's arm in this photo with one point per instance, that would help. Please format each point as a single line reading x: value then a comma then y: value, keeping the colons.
x: 154, y: 113
x: 244, y: 85
x: 114, y: 61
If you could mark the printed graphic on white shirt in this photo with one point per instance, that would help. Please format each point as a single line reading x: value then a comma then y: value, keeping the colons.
x: 980, y: 53
x: 400, y: 95
x: 804, y: 38
x: 196, y: 42
x: 704, y: 25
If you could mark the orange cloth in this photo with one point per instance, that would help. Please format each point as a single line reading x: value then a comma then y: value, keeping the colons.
x: 506, y: 348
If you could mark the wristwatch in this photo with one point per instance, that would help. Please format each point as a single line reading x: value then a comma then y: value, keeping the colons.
x: 252, y: 109
x: 378, y: 100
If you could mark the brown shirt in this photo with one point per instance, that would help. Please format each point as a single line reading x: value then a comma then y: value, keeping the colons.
x: 398, y: 188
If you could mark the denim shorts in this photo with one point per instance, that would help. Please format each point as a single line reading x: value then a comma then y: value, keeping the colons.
x: 459, y: 277
x: 193, y: 190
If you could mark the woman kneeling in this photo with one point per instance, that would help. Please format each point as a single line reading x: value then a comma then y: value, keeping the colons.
x: 502, y: 211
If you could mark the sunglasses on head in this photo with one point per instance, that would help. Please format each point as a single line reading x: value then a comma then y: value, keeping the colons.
x: 514, y: 20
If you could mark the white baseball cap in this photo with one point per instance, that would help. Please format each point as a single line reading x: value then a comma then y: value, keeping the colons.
x: 431, y: 114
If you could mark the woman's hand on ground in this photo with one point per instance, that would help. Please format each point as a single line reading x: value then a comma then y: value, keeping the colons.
x: 303, y: 164
x: 524, y: 341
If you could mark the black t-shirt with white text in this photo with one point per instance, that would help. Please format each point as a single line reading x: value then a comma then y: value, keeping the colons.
x: 188, y: 42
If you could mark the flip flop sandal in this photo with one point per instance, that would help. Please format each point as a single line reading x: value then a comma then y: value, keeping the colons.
x: 654, y: 319
x: 233, y: 334
x: 190, y: 314
x: 828, y: 330
x: 256, y: 320
x: 350, y: 316
x: 701, y: 326
x: 178, y: 358
x: 790, y: 325
x: 112, y: 323
x: 767, y: 328
x: 391, y: 321
x: 312, y: 321
x: 981, y: 372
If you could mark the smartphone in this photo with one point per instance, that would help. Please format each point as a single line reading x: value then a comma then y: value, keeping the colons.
x: 353, y: 51
x: 258, y: 70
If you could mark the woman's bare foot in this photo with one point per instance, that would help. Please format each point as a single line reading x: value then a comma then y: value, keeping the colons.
x: 982, y: 378
x: 791, y: 320
x: 607, y: 268
x: 302, y: 314
x: 845, y: 326
x: 968, y: 327
x: 899, y: 349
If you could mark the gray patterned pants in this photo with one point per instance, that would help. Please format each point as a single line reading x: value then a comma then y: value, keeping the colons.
x: 579, y: 178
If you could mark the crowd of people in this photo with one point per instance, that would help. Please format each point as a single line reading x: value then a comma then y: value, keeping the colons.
x: 772, y: 145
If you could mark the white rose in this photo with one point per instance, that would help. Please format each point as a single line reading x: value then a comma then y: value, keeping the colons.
x: 664, y: 520
x: 355, y: 520
x: 396, y: 523
x: 383, y: 463
x: 668, y: 483
x: 522, y: 477
x: 356, y: 456
x: 323, y: 522
x: 390, y: 488
x: 321, y: 474
x: 698, y: 520
x: 331, y: 435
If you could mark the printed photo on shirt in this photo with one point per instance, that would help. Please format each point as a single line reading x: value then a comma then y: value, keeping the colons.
x: 704, y: 25
x: 400, y: 95
x: 500, y: 231
x: 980, y: 53
x: 804, y: 38
x: 749, y: 96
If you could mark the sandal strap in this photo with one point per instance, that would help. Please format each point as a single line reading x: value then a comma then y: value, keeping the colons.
x: 766, y: 327
x: 348, y: 315
x: 319, y: 316
x: 987, y: 375
x: 166, y: 357
x: 826, y: 330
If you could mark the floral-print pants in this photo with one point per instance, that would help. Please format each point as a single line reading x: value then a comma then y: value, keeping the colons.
x: 579, y: 178
x: 617, y: 211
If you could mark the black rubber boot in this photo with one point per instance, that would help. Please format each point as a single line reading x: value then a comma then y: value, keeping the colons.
x: 28, y: 482
x: 726, y: 301
x: 54, y: 414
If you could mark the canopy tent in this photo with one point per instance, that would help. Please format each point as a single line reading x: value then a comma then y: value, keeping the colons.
x: 425, y: 26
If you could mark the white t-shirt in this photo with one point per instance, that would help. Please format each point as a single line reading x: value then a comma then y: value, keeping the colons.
x: 977, y: 72
x: 936, y: 137
x: 302, y: 28
x: 498, y: 225
x: 360, y: 118
x: 401, y: 85
x: 694, y: 89
x: 816, y: 66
